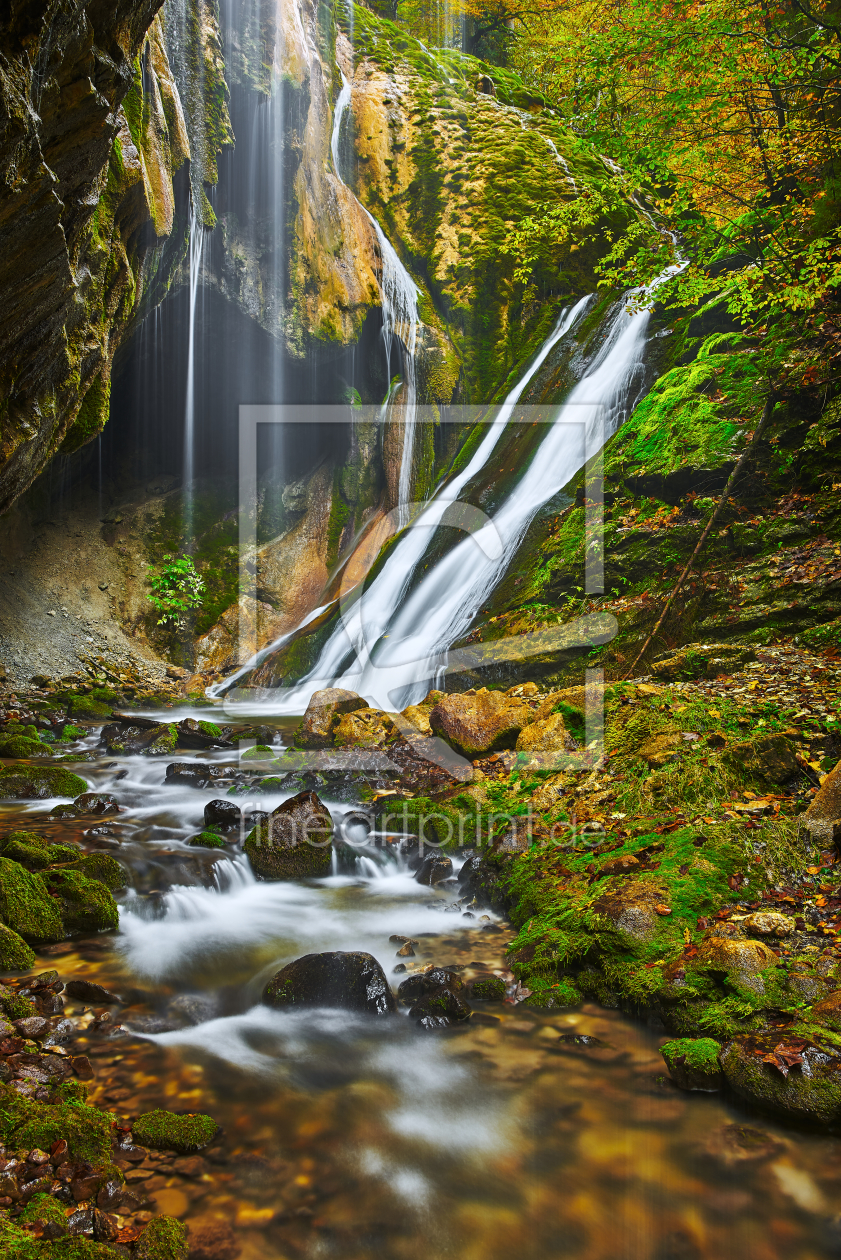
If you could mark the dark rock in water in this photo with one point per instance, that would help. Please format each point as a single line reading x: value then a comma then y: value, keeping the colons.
x: 296, y: 842
x: 423, y: 982
x: 223, y: 813
x: 324, y: 710
x: 193, y: 734
x: 34, y: 1027
x: 98, y: 803
x: 443, y: 1002
x: 87, y: 991
x: 434, y: 1023
x: 255, y: 818
x: 434, y: 869
x: 352, y: 981
x: 193, y: 773
x: 795, y: 1076
x: 582, y: 1040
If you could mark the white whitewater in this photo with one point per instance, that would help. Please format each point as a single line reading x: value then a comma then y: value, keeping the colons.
x: 399, y: 298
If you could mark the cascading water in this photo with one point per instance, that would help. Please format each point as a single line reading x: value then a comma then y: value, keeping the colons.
x: 389, y: 587
x: 196, y: 251
x: 399, y: 298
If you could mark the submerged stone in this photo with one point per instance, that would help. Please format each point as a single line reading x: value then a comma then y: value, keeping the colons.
x: 353, y: 981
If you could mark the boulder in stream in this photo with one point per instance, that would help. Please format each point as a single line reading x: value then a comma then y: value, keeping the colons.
x: 434, y: 869
x: 353, y: 981
x: 38, y: 783
x: 323, y: 712
x: 296, y: 842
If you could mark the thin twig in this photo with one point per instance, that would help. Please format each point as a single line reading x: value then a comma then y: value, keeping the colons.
x: 767, y: 412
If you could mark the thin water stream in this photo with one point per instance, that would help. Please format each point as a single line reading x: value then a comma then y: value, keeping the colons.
x: 360, y: 1137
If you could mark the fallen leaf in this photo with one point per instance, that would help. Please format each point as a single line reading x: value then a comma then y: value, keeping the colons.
x: 663, y: 909
x: 785, y: 1057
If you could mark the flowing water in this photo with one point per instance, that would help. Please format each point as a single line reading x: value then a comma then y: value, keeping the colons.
x: 360, y: 1137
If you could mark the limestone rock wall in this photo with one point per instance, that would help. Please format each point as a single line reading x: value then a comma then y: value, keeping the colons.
x: 91, y: 133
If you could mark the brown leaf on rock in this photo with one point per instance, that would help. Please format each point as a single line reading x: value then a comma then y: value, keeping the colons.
x: 785, y: 1056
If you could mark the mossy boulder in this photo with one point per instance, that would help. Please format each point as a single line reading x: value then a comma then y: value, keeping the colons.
x: 70, y: 732
x: 33, y: 851
x: 102, y: 867
x: 207, y: 840
x: 163, y: 739
x: 164, y: 1238
x: 323, y: 711
x: 165, y: 1131
x: 693, y: 1063
x: 634, y: 909
x: 19, y: 746
x: 43, y: 1207
x: 26, y: 906
x: 794, y: 1076
x: 488, y: 989
x: 259, y: 752
x: 38, y: 783
x: 15, y: 954
x: 295, y: 843
x: 741, y: 961
x: 86, y: 904
x: 480, y: 723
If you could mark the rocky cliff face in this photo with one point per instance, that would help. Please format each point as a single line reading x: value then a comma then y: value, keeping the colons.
x: 91, y: 134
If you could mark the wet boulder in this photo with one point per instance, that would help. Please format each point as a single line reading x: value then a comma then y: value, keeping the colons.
x: 444, y: 1003
x: 89, y: 991
x: 296, y: 841
x: 487, y: 989
x: 353, y: 981
x: 198, y: 774
x: 225, y: 814
x: 799, y: 1077
x: 102, y: 867
x: 822, y: 819
x: 193, y: 734
x: 323, y: 712
x: 97, y: 803
x: 434, y: 869
x: 15, y: 954
x: 34, y: 851
x: 768, y: 923
x: 425, y: 982
x: 480, y: 723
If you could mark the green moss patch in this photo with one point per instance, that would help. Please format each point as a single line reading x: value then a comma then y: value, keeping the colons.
x: 15, y: 954
x: 86, y: 904
x: 26, y: 907
x: 39, y: 783
x: 164, y: 1238
x: 165, y: 1131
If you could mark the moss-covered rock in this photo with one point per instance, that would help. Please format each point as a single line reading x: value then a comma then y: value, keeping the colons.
x: 33, y: 851
x: 89, y: 706
x: 15, y: 954
x: 366, y: 728
x: 102, y: 867
x: 259, y: 752
x: 296, y: 841
x: 164, y: 1238
x: 701, y: 660
x: 26, y: 906
x: 29, y: 1124
x: 207, y: 840
x: 86, y: 904
x: 165, y: 1131
x: 16, y: 1006
x: 19, y: 746
x: 43, y: 1207
x: 693, y: 1063
x: 481, y: 722
x: 39, y: 782
x: 488, y: 989
x: 324, y: 710
x: 784, y: 1073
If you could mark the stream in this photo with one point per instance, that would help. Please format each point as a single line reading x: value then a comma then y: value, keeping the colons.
x: 360, y: 1137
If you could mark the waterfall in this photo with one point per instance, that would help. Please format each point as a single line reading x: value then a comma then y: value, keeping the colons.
x: 197, y: 242
x: 399, y: 299
x: 382, y: 599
